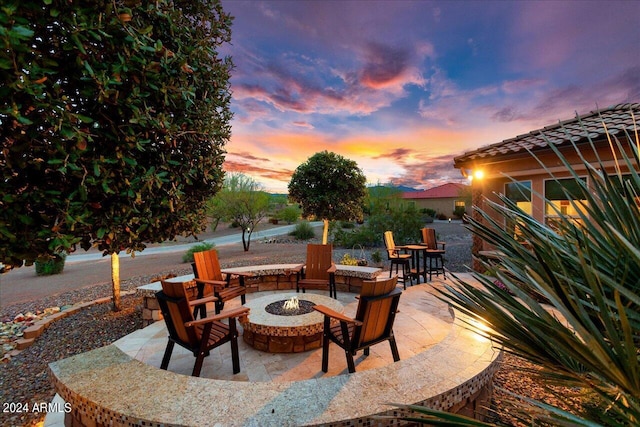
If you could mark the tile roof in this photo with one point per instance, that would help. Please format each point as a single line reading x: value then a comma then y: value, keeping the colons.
x: 440, y: 192
x: 616, y: 118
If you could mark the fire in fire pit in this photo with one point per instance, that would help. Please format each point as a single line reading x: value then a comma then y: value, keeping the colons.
x: 290, y: 307
x: 291, y: 304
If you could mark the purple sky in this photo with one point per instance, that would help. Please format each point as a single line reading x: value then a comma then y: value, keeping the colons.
x: 402, y: 87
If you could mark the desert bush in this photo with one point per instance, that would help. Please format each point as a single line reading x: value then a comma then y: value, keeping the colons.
x: 200, y: 247
x: 290, y: 214
x: 586, y: 335
x: 303, y: 231
x: 53, y: 265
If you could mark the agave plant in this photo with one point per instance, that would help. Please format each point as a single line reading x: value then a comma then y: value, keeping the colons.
x: 572, y: 298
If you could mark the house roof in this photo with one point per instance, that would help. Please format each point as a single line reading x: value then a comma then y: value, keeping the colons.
x: 448, y: 190
x: 616, y: 118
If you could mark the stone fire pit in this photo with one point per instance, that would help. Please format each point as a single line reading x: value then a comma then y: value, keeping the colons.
x: 284, y: 332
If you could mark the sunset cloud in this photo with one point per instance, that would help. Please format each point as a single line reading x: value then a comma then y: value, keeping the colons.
x: 403, y: 87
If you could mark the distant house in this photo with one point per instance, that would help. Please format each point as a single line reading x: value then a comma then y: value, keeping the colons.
x: 497, y: 166
x: 444, y: 199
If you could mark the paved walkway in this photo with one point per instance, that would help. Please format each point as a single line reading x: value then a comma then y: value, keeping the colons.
x: 442, y: 365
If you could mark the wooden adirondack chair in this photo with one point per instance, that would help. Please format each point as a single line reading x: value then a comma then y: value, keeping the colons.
x: 435, y: 252
x: 398, y: 259
x: 197, y: 336
x: 209, y: 278
x: 373, y: 324
x: 319, y: 270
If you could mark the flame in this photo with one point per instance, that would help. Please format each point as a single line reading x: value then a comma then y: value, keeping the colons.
x: 291, y: 304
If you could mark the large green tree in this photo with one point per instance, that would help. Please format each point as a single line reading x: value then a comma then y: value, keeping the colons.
x: 113, y: 119
x: 329, y: 187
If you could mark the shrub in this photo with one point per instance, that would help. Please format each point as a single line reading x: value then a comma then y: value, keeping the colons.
x: 347, y: 224
x: 303, y: 231
x: 290, y: 214
x: 586, y: 335
x: 429, y: 212
x: 376, y: 256
x: 53, y: 265
x: 362, y: 236
x: 200, y: 247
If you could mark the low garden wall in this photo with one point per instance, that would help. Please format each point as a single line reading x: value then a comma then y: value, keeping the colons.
x: 270, y: 277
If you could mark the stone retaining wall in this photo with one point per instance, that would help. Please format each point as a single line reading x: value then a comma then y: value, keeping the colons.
x: 273, y: 277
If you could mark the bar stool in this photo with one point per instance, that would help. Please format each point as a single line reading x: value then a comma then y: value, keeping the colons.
x: 435, y: 252
x: 398, y: 259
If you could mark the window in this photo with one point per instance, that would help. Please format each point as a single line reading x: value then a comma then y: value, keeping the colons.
x: 518, y: 192
x: 564, y: 197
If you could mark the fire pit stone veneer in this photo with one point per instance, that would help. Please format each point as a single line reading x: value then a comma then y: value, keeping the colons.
x: 275, y: 333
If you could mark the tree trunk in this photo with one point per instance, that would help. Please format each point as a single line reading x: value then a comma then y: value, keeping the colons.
x: 246, y: 241
x: 325, y: 231
x: 115, y: 280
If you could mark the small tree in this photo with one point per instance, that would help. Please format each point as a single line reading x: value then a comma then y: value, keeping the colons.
x: 113, y: 115
x: 242, y: 202
x: 330, y: 187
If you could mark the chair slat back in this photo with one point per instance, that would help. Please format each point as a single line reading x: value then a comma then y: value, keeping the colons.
x: 372, y: 288
x: 319, y: 259
x: 207, y: 265
x: 376, y: 310
x: 429, y: 237
x: 389, y: 243
x: 375, y: 319
x: 176, y: 311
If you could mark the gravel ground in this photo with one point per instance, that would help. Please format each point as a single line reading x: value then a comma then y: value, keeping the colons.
x: 25, y: 378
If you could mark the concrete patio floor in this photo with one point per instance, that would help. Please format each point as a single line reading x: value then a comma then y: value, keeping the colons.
x: 442, y: 363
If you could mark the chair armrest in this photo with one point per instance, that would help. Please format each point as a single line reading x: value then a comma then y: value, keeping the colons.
x: 296, y: 269
x: 203, y: 300
x: 333, y: 268
x: 335, y: 315
x: 236, y: 312
x: 217, y: 284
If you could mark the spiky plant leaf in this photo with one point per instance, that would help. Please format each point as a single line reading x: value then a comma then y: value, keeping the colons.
x: 574, y: 288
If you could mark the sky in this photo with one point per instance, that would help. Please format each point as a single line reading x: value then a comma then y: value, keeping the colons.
x: 402, y: 87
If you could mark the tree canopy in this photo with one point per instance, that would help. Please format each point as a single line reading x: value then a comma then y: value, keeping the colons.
x: 330, y: 187
x: 113, y: 119
x: 242, y: 202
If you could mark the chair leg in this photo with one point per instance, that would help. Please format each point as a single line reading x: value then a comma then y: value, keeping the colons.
x: 325, y: 344
x: 394, y: 349
x: 235, y: 354
x: 366, y: 351
x: 167, y: 355
x: 350, y: 365
x: 219, y: 305
x: 198, y: 366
